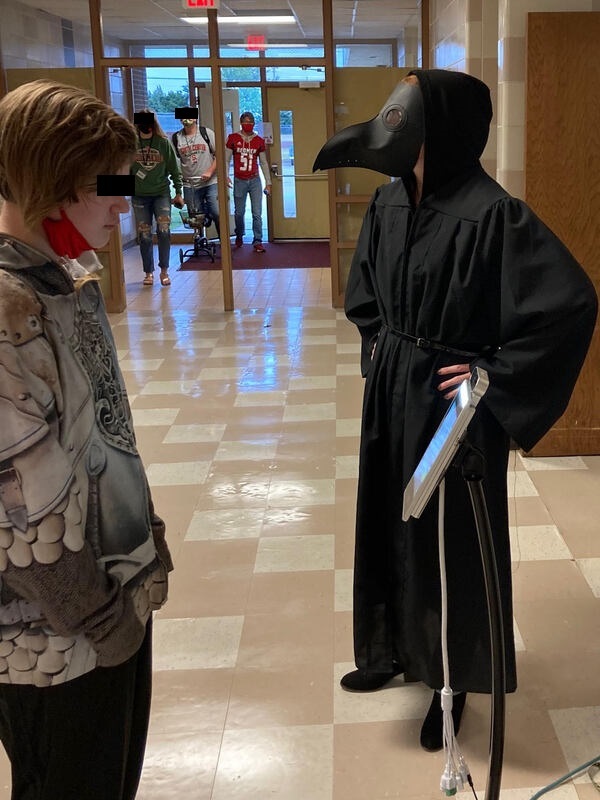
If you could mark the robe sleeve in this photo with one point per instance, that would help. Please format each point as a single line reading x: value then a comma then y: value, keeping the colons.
x: 547, y: 315
x: 360, y: 303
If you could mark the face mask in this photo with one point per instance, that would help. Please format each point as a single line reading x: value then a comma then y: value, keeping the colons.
x: 247, y: 127
x: 188, y: 122
x: 145, y: 128
x: 389, y: 143
x: 63, y: 236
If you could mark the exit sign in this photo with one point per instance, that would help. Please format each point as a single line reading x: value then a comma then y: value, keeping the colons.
x: 256, y: 41
x: 193, y: 4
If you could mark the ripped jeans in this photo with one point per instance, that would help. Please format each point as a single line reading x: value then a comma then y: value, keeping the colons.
x: 144, y: 209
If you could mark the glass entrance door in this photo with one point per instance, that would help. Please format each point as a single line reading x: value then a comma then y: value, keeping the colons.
x: 300, y: 199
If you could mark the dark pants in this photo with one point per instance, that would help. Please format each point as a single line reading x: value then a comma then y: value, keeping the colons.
x: 83, y: 739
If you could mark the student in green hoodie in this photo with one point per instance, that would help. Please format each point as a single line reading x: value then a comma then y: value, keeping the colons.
x: 154, y: 165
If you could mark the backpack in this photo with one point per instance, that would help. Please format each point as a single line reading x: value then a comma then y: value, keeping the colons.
x: 204, y: 135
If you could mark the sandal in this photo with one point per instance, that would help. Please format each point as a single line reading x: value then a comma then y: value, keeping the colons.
x: 164, y: 279
x: 148, y: 279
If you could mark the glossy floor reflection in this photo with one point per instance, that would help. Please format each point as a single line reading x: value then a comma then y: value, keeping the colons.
x: 248, y: 423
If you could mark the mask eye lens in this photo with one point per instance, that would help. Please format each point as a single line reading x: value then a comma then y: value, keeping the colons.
x: 394, y: 117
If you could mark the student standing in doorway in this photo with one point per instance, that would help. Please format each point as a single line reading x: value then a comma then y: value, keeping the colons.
x: 248, y: 151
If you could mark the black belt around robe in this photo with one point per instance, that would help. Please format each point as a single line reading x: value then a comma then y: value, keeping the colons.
x: 428, y: 344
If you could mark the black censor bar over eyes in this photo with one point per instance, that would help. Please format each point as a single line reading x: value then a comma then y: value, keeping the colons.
x: 115, y: 185
x: 143, y: 118
x: 186, y: 113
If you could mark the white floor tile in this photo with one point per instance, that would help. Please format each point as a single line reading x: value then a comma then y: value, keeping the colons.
x: 227, y: 523
x: 182, y: 473
x: 346, y: 467
x: 182, y: 434
x: 258, y: 399
x: 151, y: 417
x: 309, y: 412
x: 204, y: 643
x: 283, y: 494
x: 537, y: 543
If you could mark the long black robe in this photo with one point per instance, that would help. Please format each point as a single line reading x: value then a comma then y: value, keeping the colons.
x: 472, y: 268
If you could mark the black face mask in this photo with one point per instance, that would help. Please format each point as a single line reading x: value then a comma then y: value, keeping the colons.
x: 389, y: 143
x: 145, y: 128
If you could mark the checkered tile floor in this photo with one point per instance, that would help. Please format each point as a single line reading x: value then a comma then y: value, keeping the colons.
x: 248, y: 423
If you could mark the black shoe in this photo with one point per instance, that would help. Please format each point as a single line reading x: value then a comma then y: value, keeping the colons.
x: 364, y: 681
x: 432, y: 737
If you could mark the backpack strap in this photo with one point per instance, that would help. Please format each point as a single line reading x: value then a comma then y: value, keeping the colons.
x: 174, y: 143
x: 204, y: 134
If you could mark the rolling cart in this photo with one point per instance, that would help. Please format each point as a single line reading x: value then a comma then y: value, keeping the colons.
x: 198, y: 222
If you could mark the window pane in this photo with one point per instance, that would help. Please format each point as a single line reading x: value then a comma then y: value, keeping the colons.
x: 364, y: 55
x: 296, y: 74
x: 288, y: 182
x: 148, y: 29
x: 161, y: 89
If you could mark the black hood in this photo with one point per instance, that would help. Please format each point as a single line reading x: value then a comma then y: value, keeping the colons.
x: 458, y: 112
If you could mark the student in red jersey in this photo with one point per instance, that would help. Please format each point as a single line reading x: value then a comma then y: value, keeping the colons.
x: 248, y: 151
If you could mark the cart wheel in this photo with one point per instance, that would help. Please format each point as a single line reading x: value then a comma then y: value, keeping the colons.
x: 180, y: 256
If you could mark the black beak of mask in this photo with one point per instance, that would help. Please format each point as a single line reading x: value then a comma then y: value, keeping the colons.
x: 389, y: 143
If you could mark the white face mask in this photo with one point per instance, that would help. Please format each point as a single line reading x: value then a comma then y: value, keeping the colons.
x: 188, y: 122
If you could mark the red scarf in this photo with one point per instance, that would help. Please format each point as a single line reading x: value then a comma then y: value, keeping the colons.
x: 63, y: 236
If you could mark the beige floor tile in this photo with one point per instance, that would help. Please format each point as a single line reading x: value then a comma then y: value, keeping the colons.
x: 290, y: 695
x: 535, y: 581
x: 190, y: 701
x: 291, y: 762
x: 567, y: 622
x: 283, y: 639
x: 295, y: 553
x: 528, y: 511
x: 184, y: 762
x: 396, y: 701
x: 212, y: 579
x: 343, y: 589
x: 290, y: 593
x: 5, y: 781
x: 343, y: 642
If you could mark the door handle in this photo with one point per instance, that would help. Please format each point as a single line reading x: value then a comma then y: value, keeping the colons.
x: 275, y: 172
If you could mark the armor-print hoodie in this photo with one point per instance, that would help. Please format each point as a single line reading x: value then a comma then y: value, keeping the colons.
x: 83, y: 557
